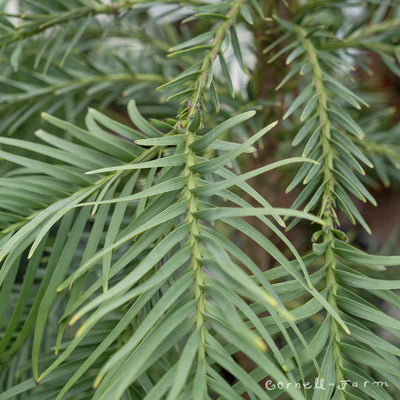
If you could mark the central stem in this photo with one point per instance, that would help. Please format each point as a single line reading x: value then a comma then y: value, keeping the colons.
x: 327, y: 203
x: 187, y: 119
x: 210, y: 57
x: 194, y: 231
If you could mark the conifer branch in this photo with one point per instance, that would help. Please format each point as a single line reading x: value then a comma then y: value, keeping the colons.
x: 32, y: 28
x: 190, y: 118
x: 327, y: 207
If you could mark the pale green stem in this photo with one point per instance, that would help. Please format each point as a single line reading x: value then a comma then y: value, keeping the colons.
x: 216, y: 47
x: 327, y: 204
x: 186, y: 118
x: 194, y: 231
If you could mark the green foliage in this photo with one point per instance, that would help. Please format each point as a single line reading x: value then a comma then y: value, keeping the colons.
x: 124, y: 269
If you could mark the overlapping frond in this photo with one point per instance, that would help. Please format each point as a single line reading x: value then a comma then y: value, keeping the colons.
x: 155, y: 247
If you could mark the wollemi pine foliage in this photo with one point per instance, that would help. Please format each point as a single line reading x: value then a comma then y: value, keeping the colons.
x: 123, y: 271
